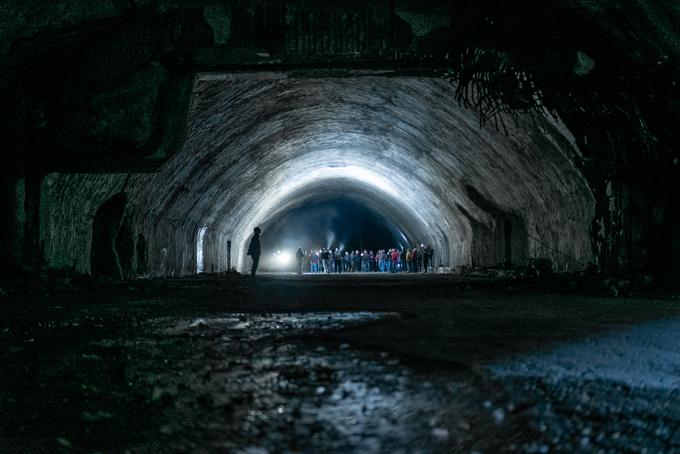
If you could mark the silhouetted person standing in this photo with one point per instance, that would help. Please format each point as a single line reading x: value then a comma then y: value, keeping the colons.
x: 427, y: 258
x: 254, y: 251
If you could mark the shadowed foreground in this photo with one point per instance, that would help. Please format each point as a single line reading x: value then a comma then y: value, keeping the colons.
x: 353, y: 363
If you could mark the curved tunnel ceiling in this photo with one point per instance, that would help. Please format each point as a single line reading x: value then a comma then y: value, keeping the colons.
x: 336, y: 219
x: 404, y: 223
x: 260, y: 143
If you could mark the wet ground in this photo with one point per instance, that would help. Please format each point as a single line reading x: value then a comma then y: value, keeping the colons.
x: 354, y: 363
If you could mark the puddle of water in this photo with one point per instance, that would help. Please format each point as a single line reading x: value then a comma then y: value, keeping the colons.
x: 258, y: 387
x: 273, y: 322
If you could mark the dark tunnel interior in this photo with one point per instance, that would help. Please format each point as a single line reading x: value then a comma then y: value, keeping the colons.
x: 337, y: 223
x: 496, y: 154
x: 533, y: 145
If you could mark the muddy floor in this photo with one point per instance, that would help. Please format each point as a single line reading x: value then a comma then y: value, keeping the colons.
x: 353, y: 363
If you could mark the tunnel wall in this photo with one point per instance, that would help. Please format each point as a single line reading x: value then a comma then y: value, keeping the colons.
x: 259, y: 143
x: 347, y: 118
x: 69, y: 204
x: 12, y: 224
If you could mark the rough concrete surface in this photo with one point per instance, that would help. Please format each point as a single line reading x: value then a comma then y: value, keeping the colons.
x: 260, y: 144
x: 327, y: 364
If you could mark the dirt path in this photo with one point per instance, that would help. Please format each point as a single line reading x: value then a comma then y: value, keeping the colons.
x: 330, y: 364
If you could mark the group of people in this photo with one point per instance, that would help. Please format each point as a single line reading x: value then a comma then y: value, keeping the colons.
x: 412, y: 260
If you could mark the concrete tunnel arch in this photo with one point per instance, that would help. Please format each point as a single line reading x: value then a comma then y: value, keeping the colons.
x: 322, y: 141
x: 260, y: 143
x: 346, y: 182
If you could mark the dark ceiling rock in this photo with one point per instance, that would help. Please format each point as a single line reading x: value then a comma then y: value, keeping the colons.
x: 98, y: 91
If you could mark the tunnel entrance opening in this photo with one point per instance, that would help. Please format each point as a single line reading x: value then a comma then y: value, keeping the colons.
x: 340, y: 223
x: 387, y: 217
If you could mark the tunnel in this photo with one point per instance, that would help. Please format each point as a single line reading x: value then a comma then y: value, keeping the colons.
x: 456, y: 125
x: 258, y: 145
x: 337, y: 222
x: 533, y: 146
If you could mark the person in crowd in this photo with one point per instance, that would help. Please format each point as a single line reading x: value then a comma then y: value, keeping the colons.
x: 394, y: 258
x: 316, y: 261
x: 305, y: 261
x: 413, y: 260
x: 325, y: 260
x: 308, y: 260
x: 254, y: 251
x: 337, y: 258
x: 299, y: 255
x: 427, y: 257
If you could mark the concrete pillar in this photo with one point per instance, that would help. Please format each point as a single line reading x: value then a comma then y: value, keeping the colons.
x: 11, y: 228
x: 20, y: 220
x: 228, y: 255
x: 32, y: 251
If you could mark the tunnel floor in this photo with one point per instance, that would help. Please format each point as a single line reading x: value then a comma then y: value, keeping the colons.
x: 351, y: 363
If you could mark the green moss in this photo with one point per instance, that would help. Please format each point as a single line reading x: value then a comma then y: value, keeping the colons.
x: 219, y: 18
x: 423, y: 23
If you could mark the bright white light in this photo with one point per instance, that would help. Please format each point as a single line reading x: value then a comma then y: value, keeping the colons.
x: 335, y: 167
x: 283, y: 258
x: 330, y: 172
